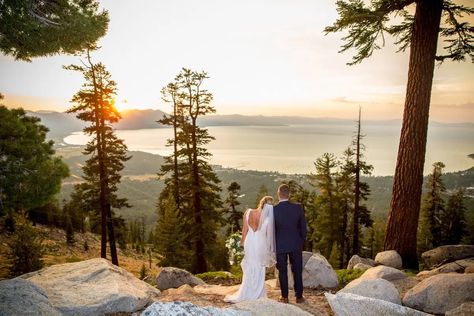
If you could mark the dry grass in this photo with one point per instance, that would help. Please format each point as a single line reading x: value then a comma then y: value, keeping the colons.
x: 57, y: 251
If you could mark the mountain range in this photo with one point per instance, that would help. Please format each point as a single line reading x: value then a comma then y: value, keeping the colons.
x: 63, y: 124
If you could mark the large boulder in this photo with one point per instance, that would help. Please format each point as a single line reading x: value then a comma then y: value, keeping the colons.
x: 445, y: 254
x: 22, y: 297
x: 383, y: 272
x: 441, y: 293
x: 466, y: 309
x: 268, y: 307
x: 317, y: 272
x: 348, y: 304
x: 185, y: 308
x: 376, y: 288
x: 93, y: 287
x: 355, y: 260
x: 170, y: 277
x: 389, y: 258
x: 458, y: 266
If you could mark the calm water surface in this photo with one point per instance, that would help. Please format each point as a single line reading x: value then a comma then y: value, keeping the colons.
x: 294, y: 148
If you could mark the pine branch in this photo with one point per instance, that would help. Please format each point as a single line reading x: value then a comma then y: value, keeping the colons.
x: 460, y: 35
x: 366, y: 24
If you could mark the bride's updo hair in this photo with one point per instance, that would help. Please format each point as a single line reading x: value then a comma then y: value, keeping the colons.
x: 265, y: 200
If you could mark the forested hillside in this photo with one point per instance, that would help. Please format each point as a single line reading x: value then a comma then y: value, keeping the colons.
x: 141, y: 186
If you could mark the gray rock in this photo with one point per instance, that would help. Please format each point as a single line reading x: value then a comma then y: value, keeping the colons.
x: 458, y: 266
x: 348, y: 304
x: 383, y: 272
x: 389, y: 258
x: 445, y: 254
x: 441, y: 293
x: 186, y: 308
x: 93, y: 287
x: 375, y: 288
x: 268, y: 307
x: 22, y: 297
x: 362, y: 266
x: 170, y: 277
x: 355, y: 259
x: 466, y: 309
x: 317, y: 272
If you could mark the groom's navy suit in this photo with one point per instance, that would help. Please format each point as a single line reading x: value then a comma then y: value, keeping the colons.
x: 290, y: 234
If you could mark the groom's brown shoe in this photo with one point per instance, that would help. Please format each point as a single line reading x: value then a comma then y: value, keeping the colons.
x: 300, y: 300
x: 283, y: 300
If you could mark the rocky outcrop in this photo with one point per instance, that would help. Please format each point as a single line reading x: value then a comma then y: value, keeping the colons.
x: 444, y: 254
x: 268, y: 307
x: 355, y: 259
x: 383, y: 272
x: 459, y: 266
x: 375, y: 288
x: 93, y: 287
x: 441, y: 293
x: 348, y: 304
x: 171, y: 277
x: 466, y: 309
x: 389, y: 258
x: 317, y: 272
x: 22, y: 297
x: 186, y: 308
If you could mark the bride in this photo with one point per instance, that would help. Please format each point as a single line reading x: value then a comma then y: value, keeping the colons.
x: 258, y: 240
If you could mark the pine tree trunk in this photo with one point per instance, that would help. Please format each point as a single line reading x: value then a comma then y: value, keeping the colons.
x: 405, y: 204
x: 110, y: 229
x: 355, y: 242
x: 102, y: 188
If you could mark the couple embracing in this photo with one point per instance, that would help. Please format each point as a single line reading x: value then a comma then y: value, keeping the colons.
x: 272, y: 234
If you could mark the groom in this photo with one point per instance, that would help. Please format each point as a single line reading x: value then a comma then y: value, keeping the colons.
x: 290, y: 233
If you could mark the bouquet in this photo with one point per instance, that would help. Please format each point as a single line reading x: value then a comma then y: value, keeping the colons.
x: 236, y: 251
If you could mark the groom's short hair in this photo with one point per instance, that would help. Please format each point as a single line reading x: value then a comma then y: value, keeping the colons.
x: 284, y: 190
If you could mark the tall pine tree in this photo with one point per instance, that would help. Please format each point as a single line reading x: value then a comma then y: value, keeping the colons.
x: 367, y: 23
x: 197, y: 184
x: 94, y: 104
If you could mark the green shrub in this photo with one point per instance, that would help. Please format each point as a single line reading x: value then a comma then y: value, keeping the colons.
x: 213, y: 275
x: 345, y: 276
x: 25, y: 247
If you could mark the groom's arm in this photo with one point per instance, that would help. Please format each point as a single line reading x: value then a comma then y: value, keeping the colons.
x: 302, y: 225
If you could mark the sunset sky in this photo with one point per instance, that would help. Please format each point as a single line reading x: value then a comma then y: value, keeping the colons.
x: 267, y: 57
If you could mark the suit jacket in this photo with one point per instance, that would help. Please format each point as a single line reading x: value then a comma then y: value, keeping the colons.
x: 290, y: 227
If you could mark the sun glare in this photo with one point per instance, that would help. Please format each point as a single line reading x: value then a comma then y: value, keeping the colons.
x: 122, y: 105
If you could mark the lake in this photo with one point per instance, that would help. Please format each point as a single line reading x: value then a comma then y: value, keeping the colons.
x: 294, y: 148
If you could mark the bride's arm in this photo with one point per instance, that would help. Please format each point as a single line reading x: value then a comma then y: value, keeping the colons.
x: 244, y: 229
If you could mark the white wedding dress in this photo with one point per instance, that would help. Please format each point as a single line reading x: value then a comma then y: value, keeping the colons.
x: 259, y: 252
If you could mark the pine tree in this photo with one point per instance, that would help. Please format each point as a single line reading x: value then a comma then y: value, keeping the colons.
x: 232, y: 202
x: 328, y: 223
x: 453, y: 221
x: 49, y: 27
x: 361, y: 189
x: 432, y: 208
x: 199, y: 200
x: 170, y: 235
x: 107, y: 154
x: 367, y: 24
